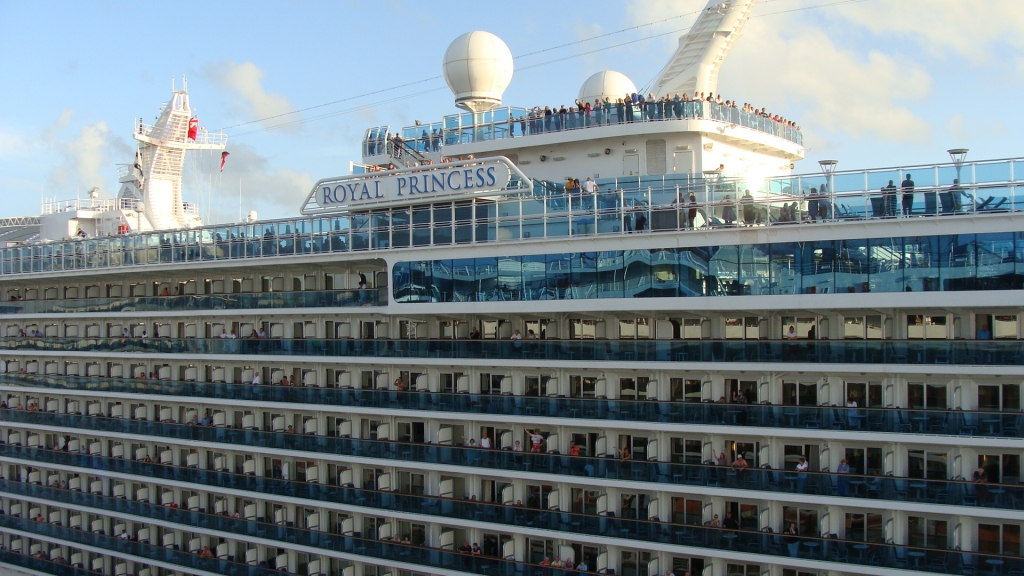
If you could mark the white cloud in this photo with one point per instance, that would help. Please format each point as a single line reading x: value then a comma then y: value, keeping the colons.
x: 245, y: 82
x: 272, y: 191
x: 800, y: 70
x: 84, y: 159
x: 801, y: 73
x: 974, y: 30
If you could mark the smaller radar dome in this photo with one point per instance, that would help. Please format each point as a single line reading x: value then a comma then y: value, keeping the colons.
x: 478, y: 69
x: 608, y: 83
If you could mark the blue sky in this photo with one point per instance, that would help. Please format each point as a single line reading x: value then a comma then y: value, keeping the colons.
x: 873, y: 82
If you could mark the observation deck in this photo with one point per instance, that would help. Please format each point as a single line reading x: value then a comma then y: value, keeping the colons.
x: 512, y: 122
x: 549, y: 212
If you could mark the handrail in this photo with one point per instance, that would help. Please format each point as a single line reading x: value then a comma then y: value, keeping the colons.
x: 450, y: 560
x: 980, y: 423
x: 517, y: 516
x: 878, y: 352
x: 234, y: 301
x: 764, y: 480
x: 762, y: 541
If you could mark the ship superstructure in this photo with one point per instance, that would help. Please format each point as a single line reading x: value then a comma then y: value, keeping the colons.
x: 450, y: 363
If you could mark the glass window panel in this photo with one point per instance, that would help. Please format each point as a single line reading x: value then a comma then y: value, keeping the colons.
x: 664, y: 273
x: 610, y: 274
x: 725, y: 271
x: 559, y: 267
x: 694, y: 278
x: 510, y: 277
x: 785, y: 271
x: 637, y: 273
x: 996, y: 262
x: 464, y: 280
x: 487, y: 280
x: 921, y: 259
x: 535, y: 278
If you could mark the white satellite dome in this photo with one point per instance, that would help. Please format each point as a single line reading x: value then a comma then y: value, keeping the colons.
x: 478, y: 69
x: 607, y: 83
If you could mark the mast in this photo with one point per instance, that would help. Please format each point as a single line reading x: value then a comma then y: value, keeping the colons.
x: 162, y: 148
x: 695, y: 65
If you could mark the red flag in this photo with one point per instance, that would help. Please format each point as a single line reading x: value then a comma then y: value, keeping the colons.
x: 193, y: 127
x: 223, y: 159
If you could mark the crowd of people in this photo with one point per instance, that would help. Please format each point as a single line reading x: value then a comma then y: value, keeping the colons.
x: 635, y: 107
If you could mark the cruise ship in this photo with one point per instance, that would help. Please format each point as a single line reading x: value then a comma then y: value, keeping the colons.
x: 700, y: 360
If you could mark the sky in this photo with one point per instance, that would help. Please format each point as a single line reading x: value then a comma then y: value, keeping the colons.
x: 872, y: 83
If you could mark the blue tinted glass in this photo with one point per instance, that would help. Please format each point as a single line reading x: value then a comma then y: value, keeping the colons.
x: 755, y: 275
x: 785, y: 268
x: 558, y: 269
x: 610, y: 272
x: 885, y: 270
x: 510, y: 277
x: 694, y: 271
x: 958, y: 261
x: 487, y: 279
x: 851, y: 265
x: 637, y: 273
x: 535, y: 278
x: 664, y: 273
x: 921, y: 264
x: 441, y: 277
x: 583, y: 277
x: 816, y: 267
x: 464, y: 277
x: 725, y: 270
x: 996, y: 262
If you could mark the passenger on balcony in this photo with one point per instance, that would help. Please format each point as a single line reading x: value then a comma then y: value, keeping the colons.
x: 907, y: 188
x: 889, y: 200
x: 801, y: 474
x: 792, y: 538
x: 983, y: 332
x: 739, y: 465
x: 843, y: 481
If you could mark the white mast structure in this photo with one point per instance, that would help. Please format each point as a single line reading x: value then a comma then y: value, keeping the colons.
x: 162, y: 148
x: 695, y: 65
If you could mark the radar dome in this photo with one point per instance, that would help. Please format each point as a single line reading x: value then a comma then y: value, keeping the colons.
x: 478, y: 69
x: 608, y: 83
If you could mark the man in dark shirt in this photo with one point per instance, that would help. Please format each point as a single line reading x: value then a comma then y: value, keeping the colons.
x: 908, y: 196
x: 730, y: 522
x: 889, y: 193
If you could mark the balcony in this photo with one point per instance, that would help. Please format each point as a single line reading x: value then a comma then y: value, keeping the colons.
x: 889, y: 420
x: 765, y: 541
x: 767, y: 480
x: 202, y: 302
x: 931, y: 353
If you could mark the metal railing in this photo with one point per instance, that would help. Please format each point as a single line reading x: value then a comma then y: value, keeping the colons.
x: 198, y: 302
x: 509, y: 122
x: 623, y: 206
x: 934, y: 353
x: 809, y: 545
x: 949, y: 492
x: 894, y: 420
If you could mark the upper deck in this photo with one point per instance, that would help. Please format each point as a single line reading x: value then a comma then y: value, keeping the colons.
x: 620, y: 207
x: 510, y: 122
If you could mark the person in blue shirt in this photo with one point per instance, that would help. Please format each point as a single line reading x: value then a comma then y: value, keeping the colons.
x: 983, y: 332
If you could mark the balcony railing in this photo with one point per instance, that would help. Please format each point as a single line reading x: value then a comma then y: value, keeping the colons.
x: 890, y: 420
x: 143, y: 551
x: 42, y: 565
x: 378, y: 550
x: 202, y: 302
x: 662, y: 201
x: 765, y: 541
x: 875, y: 352
x: 509, y: 122
x: 918, y: 490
